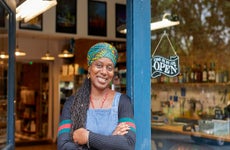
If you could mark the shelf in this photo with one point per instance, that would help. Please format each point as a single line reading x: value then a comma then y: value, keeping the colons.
x: 67, y: 78
x: 192, y: 84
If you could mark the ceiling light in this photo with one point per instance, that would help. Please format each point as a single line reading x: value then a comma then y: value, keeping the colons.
x: 4, y: 55
x: 164, y: 23
x: 29, y: 9
x: 18, y: 52
x: 47, y: 56
x: 66, y: 54
x: 122, y: 29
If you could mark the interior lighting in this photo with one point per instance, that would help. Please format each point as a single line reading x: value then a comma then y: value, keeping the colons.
x: 18, y: 52
x: 47, y: 56
x: 3, y: 55
x: 66, y: 54
x: 164, y: 23
x: 30, y: 9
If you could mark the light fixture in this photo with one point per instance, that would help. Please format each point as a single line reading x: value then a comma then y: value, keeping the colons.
x: 3, y: 55
x: 164, y: 23
x: 18, y: 52
x: 32, y: 8
x: 66, y: 54
x: 68, y: 49
x: 47, y: 56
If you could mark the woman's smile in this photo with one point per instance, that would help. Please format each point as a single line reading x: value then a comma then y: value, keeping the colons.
x: 101, y: 80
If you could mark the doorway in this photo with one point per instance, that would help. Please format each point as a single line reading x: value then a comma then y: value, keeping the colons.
x: 31, y: 117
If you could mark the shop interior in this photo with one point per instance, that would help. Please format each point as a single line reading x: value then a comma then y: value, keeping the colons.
x: 191, y: 110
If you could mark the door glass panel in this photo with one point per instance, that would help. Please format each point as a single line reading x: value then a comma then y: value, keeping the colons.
x: 3, y: 102
x: 191, y: 110
x: 32, y: 101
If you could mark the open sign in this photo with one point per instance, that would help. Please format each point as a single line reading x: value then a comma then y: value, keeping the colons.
x: 169, y: 67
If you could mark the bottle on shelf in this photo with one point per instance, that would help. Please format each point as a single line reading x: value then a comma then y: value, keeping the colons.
x: 212, y: 73
x: 225, y: 76
x: 192, y: 74
x: 187, y: 73
x: 195, y: 72
x: 198, y: 73
x: 205, y: 73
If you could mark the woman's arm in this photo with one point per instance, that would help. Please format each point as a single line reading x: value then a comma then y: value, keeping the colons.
x: 113, y: 142
x: 64, y: 141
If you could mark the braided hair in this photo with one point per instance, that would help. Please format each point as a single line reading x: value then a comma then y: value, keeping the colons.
x: 80, y: 106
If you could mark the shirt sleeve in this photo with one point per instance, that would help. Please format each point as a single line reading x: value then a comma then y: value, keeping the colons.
x: 114, y: 142
x: 64, y: 141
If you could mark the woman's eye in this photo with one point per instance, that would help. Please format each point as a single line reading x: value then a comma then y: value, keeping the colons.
x: 110, y: 68
x: 98, y: 65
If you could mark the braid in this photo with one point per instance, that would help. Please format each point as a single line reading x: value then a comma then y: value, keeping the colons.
x: 80, y: 106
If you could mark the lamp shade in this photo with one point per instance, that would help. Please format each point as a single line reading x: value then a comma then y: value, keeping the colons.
x: 66, y: 54
x: 18, y: 52
x: 47, y: 56
x: 3, y: 55
x: 164, y: 23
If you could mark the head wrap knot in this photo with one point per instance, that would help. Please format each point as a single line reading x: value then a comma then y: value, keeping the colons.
x: 101, y: 50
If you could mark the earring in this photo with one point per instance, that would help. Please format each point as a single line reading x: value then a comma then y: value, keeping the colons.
x: 88, y: 76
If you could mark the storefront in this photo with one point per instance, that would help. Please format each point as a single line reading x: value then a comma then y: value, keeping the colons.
x: 188, y: 110
x: 54, y: 73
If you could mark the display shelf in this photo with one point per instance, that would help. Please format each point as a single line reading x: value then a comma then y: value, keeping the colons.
x: 32, y: 99
x: 66, y: 78
x: 191, y: 84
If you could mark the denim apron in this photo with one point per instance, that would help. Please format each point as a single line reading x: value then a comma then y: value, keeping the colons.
x: 103, y: 121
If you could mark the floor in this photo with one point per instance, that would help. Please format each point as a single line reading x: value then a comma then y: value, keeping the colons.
x: 37, y: 147
x: 24, y: 142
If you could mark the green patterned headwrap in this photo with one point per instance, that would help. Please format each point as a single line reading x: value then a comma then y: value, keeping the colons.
x: 101, y: 50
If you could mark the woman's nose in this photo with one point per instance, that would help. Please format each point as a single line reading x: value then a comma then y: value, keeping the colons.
x: 104, y: 70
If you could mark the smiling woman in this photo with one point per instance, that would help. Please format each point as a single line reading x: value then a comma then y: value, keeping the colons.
x: 98, y: 117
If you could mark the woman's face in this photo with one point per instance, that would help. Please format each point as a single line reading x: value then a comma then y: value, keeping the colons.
x: 101, y: 73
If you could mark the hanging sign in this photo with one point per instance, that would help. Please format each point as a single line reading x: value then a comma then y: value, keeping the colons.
x: 168, y: 67
x: 161, y: 65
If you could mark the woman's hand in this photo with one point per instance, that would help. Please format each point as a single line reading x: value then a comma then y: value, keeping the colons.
x: 81, y: 136
x: 121, y: 129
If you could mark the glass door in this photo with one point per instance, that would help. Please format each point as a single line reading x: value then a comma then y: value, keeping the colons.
x: 191, y: 109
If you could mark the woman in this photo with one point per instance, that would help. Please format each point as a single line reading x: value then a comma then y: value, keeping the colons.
x: 98, y: 118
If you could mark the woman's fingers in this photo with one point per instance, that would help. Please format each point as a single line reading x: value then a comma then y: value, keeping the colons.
x: 121, y: 129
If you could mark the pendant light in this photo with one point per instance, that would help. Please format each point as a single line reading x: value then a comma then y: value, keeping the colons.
x: 3, y: 54
x: 65, y: 53
x: 18, y: 52
x: 47, y: 55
